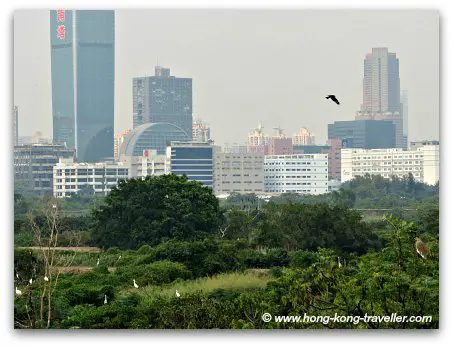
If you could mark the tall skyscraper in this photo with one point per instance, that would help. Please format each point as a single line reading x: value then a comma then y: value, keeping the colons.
x: 381, y: 91
x: 405, y: 110
x: 83, y: 75
x: 163, y: 99
x: 381, y: 82
x: 303, y: 137
x: 15, y: 125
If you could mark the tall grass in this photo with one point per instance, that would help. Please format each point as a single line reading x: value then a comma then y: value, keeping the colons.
x: 234, y: 281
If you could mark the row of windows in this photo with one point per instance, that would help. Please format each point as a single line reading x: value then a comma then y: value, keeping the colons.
x: 388, y: 169
x: 89, y: 172
x: 388, y: 163
x: 389, y: 157
x: 228, y: 182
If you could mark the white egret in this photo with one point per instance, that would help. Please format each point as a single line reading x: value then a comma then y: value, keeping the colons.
x: 177, y: 294
x: 105, y: 299
x: 135, y: 284
x: 18, y: 292
x: 17, y: 275
x: 30, y: 281
x: 339, y: 262
x: 119, y: 257
x: 46, y: 278
x: 97, y: 264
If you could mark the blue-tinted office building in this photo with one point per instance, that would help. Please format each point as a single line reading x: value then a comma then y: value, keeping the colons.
x: 83, y: 77
x: 163, y: 99
x: 367, y: 134
x: 152, y: 136
x: 195, y: 160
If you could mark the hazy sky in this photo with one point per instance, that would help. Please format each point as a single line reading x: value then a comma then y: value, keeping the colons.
x: 249, y: 66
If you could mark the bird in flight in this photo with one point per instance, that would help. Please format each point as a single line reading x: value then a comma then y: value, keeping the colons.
x: 421, y: 248
x: 333, y: 98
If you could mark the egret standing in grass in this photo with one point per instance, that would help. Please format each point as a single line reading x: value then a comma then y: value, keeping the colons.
x: 30, y: 281
x: 17, y: 275
x: 97, y: 264
x: 46, y: 278
x: 135, y: 284
x: 18, y: 292
x: 105, y: 299
x: 339, y: 262
x: 177, y: 294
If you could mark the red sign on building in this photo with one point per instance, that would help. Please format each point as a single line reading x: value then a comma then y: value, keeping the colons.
x: 60, y: 15
x: 61, y: 30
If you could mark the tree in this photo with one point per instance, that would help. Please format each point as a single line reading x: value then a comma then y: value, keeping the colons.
x: 155, y: 209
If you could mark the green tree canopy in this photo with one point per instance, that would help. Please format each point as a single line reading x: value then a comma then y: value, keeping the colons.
x: 154, y: 210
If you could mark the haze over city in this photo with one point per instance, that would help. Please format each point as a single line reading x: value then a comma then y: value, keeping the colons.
x: 248, y: 66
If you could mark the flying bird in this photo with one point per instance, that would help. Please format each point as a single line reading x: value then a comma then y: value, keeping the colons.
x: 46, y: 278
x: 18, y: 292
x: 333, y: 98
x: 421, y: 248
x: 105, y: 299
x: 135, y: 284
x: 177, y: 294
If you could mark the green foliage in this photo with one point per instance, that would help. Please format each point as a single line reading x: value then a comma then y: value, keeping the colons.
x: 302, y: 226
x: 156, y: 209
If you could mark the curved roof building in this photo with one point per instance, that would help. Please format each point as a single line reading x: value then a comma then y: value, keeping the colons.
x: 152, y: 136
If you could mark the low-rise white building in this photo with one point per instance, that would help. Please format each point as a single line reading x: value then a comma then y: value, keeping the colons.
x: 149, y: 164
x: 296, y: 173
x: 70, y: 177
x: 422, y: 162
x: 238, y: 172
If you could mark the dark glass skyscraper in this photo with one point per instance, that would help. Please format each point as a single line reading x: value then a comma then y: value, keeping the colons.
x: 363, y: 133
x: 83, y: 76
x: 163, y: 99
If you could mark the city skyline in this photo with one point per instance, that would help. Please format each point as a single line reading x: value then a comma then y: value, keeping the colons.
x: 243, y: 78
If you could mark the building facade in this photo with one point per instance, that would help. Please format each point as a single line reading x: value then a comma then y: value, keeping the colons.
x: 96, y: 178
x: 195, y: 160
x: 405, y: 112
x: 149, y: 164
x: 363, y: 133
x: 83, y: 77
x: 118, y: 141
x: 381, y: 82
x: 201, y: 132
x: 15, y: 125
x: 258, y: 138
x: 296, y: 173
x: 303, y: 137
x: 422, y: 162
x: 238, y: 172
x: 163, y: 99
x: 33, y: 165
x: 151, y: 136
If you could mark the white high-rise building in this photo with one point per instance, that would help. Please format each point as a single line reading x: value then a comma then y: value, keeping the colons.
x: 258, y: 138
x: 303, y: 137
x: 296, y: 173
x: 238, y: 172
x: 421, y: 161
x: 201, y: 132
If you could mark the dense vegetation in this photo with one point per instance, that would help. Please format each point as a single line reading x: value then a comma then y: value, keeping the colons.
x: 230, y: 262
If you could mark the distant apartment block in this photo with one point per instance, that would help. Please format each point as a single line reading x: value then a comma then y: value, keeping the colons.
x: 33, y: 165
x: 195, y: 160
x: 69, y: 177
x: 258, y: 138
x: 238, y: 172
x: 421, y: 161
x: 296, y: 173
x: 303, y: 137
x: 201, y: 132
